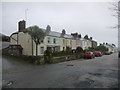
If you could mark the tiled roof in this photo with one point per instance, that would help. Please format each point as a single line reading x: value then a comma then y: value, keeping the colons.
x: 57, y: 34
x: 68, y: 36
x: 14, y: 33
x: 53, y: 33
x: 83, y: 39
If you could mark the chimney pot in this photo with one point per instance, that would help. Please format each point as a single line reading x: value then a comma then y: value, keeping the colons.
x: 21, y: 26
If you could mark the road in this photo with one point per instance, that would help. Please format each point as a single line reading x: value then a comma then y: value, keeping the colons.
x: 2, y: 45
x: 101, y: 72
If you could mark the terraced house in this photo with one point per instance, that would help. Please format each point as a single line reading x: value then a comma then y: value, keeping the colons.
x: 55, y: 40
x: 111, y: 47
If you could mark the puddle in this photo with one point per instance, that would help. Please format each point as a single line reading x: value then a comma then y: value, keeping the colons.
x: 9, y: 83
x: 85, y: 84
x: 6, y: 83
x: 70, y: 65
x: 96, y: 74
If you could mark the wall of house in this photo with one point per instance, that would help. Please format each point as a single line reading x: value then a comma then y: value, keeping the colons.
x: 49, y: 42
x: 68, y: 43
x: 84, y: 44
x: 74, y: 46
x: 89, y: 44
x: 78, y: 43
x: 110, y: 49
x: 94, y: 44
x: 62, y: 43
x: 24, y: 39
x: 13, y: 39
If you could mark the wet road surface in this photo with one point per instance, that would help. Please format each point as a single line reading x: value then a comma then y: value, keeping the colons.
x: 101, y: 72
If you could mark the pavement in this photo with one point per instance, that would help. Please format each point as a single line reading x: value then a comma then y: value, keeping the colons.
x: 101, y: 72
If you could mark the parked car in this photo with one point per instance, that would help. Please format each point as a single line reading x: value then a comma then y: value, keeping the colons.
x: 98, y: 54
x: 111, y: 52
x: 107, y: 53
x: 89, y: 55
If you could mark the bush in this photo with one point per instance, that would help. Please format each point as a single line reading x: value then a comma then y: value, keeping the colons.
x: 48, y: 56
x: 68, y: 50
x: 61, y: 53
x: 5, y: 38
x: 101, y: 48
x: 79, y: 50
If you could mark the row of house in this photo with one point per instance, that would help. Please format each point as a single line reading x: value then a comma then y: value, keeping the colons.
x: 111, y: 47
x: 57, y: 41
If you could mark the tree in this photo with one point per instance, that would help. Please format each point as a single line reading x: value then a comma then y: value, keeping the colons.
x: 4, y: 38
x: 79, y: 50
x: 116, y: 9
x: 91, y: 49
x: 101, y: 48
x: 37, y: 35
x: 68, y: 50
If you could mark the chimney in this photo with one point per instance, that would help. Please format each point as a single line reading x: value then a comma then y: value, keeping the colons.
x: 91, y: 38
x: 48, y: 29
x: 86, y: 37
x: 75, y: 35
x: 79, y: 36
x: 21, y: 26
x: 63, y: 32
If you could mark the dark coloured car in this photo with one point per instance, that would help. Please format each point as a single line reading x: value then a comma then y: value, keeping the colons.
x: 107, y: 53
x: 89, y: 55
x: 111, y: 52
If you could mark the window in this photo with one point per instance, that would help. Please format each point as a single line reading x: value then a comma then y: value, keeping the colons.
x: 48, y: 40
x: 41, y: 41
x: 42, y: 50
x: 54, y: 40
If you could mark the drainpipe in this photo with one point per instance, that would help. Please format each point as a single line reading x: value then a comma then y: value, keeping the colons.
x: 17, y: 38
x: 32, y: 47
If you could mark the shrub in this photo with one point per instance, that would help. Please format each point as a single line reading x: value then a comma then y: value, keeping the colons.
x: 79, y: 50
x: 48, y: 56
x: 68, y: 50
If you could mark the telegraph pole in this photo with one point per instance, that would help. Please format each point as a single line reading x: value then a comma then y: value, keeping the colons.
x: 26, y: 15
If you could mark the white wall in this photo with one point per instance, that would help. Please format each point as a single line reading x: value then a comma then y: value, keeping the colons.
x: 13, y: 39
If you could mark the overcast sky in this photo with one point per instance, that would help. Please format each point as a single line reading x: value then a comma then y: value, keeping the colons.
x: 92, y: 18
